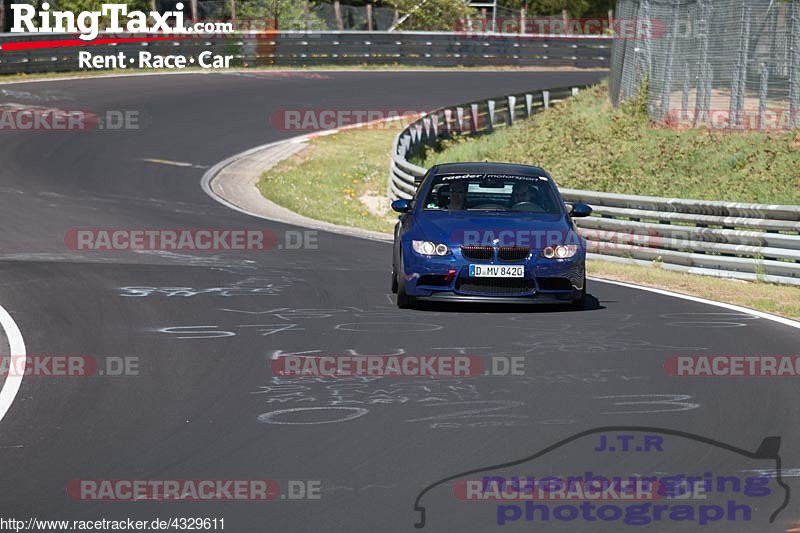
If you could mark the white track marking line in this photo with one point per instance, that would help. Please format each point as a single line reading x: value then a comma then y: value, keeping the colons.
x: 781, y: 320
x: 17, y: 349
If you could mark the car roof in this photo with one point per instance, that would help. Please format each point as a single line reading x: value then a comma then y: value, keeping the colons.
x: 488, y: 168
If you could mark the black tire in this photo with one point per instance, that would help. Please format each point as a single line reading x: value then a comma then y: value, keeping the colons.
x: 394, y: 281
x: 580, y: 301
x: 404, y: 301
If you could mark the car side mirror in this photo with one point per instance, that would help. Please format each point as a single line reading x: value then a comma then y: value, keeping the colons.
x: 401, y: 206
x: 580, y: 210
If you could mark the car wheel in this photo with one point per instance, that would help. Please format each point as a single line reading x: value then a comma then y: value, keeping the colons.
x: 394, y: 281
x: 580, y: 301
x: 404, y: 301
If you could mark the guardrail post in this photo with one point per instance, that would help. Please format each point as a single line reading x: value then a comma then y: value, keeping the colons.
x: 473, y: 123
x: 546, y: 99
x: 426, y: 127
x: 416, y: 136
x: 435, y: 127
x: 448, y: 118
x: 575, y: 91
x: 512, y: 103
x: 490, y: 125
x: 528, y: 104
x: 460, y: 119
x: 405, y: 142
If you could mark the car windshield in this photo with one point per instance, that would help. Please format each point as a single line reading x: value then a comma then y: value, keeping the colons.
x: 492, y: 192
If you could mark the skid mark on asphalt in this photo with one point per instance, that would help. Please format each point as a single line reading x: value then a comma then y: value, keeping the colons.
x: 172, y: 163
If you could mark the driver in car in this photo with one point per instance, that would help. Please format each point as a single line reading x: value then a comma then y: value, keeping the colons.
x: 521, y: 195
x: 458, y: 196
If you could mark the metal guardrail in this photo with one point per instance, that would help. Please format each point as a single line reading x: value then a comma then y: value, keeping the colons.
x: 725, y: 239
x: 293, y: 48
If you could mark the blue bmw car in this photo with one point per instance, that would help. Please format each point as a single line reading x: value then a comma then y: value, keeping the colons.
x: 488, y: 232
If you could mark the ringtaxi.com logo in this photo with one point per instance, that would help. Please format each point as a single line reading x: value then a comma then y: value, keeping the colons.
x: 67, y: 366
x: 196, y: 490
x: 112, y: 18
x: 201, y: 240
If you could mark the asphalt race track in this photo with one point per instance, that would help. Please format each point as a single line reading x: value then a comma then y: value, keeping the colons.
x: 205, y: 403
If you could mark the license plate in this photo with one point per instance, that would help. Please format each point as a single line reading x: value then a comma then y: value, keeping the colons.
x: 496, y: 271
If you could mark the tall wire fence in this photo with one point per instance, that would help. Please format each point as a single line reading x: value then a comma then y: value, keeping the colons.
x: 732, y: 64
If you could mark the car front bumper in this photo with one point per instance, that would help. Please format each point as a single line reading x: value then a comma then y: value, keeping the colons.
x: 447, y: 278
x: 564, y: 297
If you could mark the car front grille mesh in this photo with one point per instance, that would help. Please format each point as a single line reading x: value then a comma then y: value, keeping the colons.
x: 513, y: 253
x: 494, y: 285
x: 478, y: 253
x: 504, y: 253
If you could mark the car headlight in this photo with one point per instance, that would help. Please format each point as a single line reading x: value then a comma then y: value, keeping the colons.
x: 430, y: 248
x: 562, y: 251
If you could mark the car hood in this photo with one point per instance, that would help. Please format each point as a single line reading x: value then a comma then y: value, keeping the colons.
x: 475, y: 227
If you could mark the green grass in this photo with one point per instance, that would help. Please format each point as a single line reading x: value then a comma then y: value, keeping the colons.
x: 587, y: 144
x: 326, y: 180
x: 777, y: 299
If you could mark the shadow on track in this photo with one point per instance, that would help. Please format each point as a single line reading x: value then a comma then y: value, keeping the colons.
x: 592, y: 304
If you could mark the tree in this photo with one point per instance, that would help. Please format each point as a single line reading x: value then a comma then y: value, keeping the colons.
x: 432, y: 15
x: 76, y: 6
x: 575, y: 8
x: 282, y: 14
x: 3, y: 10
